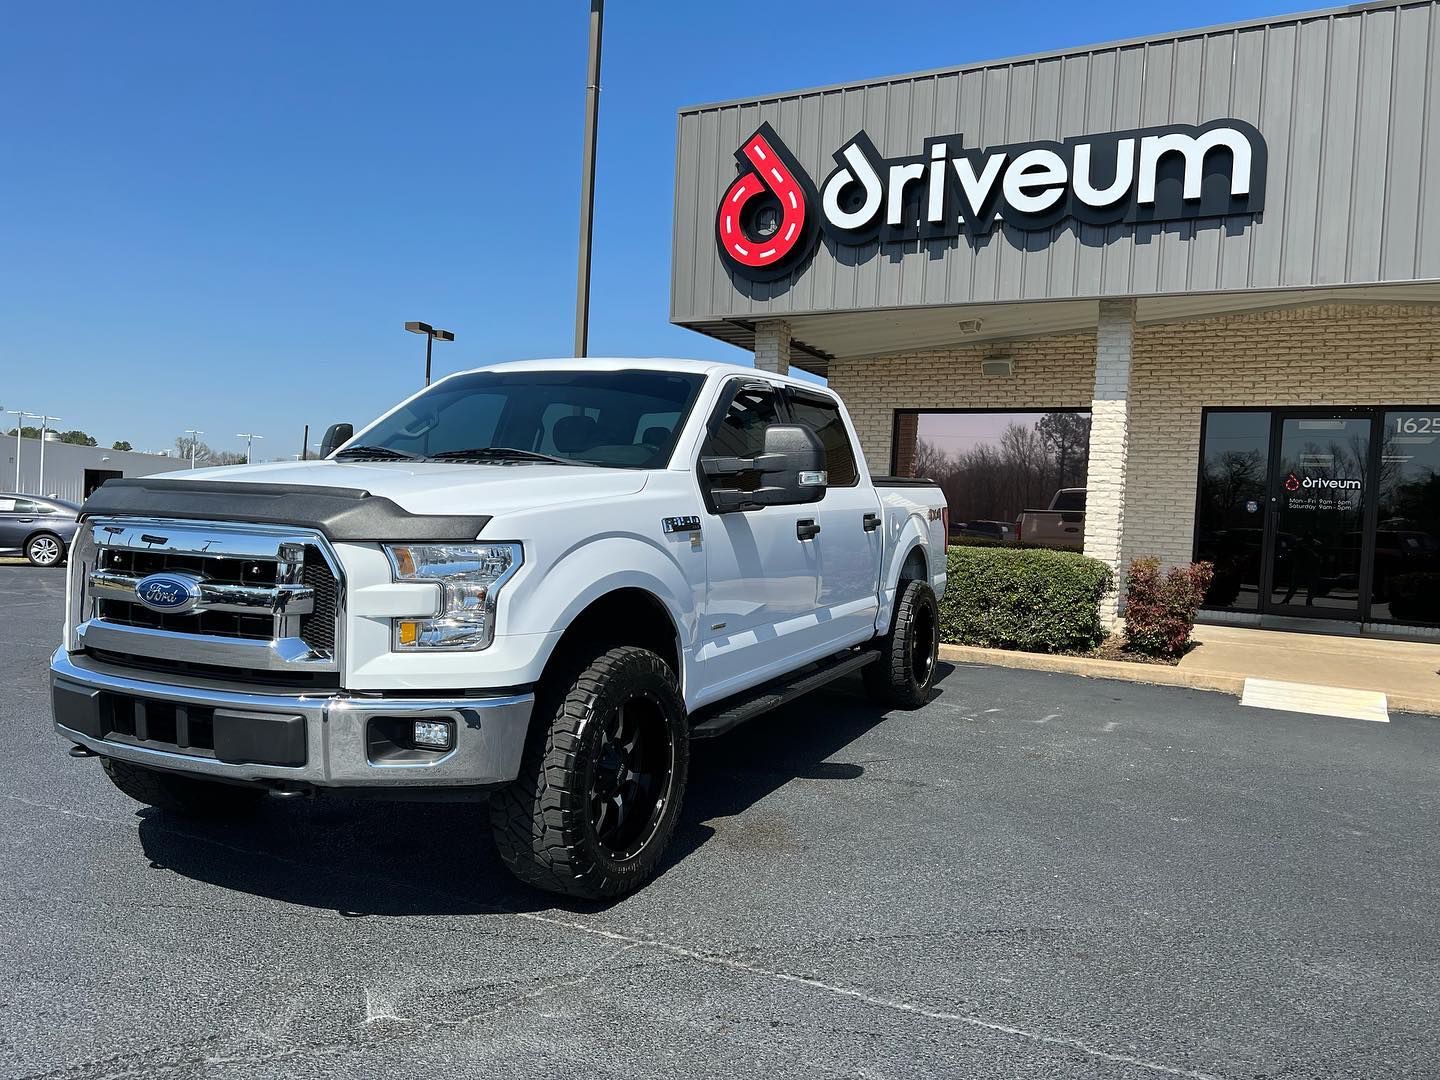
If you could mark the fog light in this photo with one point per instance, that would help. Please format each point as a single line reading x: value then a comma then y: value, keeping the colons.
x: 434, y: 734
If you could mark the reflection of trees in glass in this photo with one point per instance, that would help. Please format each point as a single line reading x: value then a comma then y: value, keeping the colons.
x: 1231, y: 478
x: 1021, y: 468
x: 1067, y: 437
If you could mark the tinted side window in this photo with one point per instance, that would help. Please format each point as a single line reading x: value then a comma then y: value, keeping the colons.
x: 741, y: 433
x: 823, y: 415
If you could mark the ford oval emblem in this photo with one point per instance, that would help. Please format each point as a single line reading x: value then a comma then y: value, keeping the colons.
x: 168, y: 592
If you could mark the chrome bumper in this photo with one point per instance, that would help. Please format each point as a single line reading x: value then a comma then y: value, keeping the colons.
x: 489, y: 738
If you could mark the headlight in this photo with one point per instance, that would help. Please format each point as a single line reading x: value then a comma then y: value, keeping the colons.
x: 470, y: 577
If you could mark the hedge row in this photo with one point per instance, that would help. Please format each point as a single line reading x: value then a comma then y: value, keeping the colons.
x: 1035, y: 599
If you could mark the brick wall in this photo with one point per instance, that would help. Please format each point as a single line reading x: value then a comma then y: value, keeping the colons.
x: 1318, y: 355
x: 1051, y: 372
x: 1326, y: 355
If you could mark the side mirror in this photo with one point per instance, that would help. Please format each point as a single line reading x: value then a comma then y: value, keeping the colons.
x: 335, y: 435
x: 791, y: 470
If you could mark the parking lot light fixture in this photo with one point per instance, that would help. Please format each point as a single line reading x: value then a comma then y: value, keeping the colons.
x: 194, y: 440
x: 249, y: 437
x: 432, y: 335
x: 44, y: 425
x: 19, y: 415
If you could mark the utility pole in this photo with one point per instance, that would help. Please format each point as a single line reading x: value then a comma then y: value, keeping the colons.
x: 587, y: 180
x: 194, y: 439
x: 248, y: 437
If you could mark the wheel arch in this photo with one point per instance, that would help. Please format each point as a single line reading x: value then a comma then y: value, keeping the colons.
x: 625, y: 615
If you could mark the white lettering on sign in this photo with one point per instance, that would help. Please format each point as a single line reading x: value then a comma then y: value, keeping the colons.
x: 1173, y: 172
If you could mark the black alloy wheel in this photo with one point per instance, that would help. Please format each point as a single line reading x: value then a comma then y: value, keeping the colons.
x: 630, y: 776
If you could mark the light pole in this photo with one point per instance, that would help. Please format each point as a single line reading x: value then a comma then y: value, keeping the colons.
x: 194, y: 439
x: 247, y: 436
x: 431, y: 336
x: 44, y: 424
x: 19, y: 415
x: 587, y: 180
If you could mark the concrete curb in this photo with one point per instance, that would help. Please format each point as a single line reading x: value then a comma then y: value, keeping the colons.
x: 1154, y: 674
x: 1157, y: 674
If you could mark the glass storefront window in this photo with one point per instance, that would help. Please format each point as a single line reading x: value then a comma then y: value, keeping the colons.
x: 1230, y: 522
x: 993, y: 465
x: 1405, y: 583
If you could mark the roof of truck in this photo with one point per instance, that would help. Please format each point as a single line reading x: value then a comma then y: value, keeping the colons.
x: 645, y: 363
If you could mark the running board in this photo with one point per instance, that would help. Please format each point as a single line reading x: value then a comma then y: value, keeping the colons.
x: 772, y: 695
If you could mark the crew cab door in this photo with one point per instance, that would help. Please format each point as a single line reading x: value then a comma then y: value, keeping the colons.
x: 850, y: 517
x: 762, y: 569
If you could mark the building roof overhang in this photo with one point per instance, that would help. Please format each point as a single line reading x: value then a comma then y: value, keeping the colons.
x: 817, y: 339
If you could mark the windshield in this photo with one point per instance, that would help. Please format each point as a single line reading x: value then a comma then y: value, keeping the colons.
x: 618, y: 419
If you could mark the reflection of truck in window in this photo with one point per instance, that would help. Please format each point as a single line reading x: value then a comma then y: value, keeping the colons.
x: 1062, y: 525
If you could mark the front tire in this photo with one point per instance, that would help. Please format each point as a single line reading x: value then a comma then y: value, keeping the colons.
x: 45, y: 549
x: 601, y: 781
x: 905, y: 670
x: 180, y: 794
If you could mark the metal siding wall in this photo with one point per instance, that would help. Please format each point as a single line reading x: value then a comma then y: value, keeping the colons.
x: 65, y: 465
x: 1346, y: 101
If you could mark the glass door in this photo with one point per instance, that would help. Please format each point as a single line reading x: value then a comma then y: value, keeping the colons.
x: 1317, y: 533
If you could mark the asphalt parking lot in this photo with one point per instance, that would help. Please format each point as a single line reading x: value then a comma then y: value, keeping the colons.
x: 1034, y: 876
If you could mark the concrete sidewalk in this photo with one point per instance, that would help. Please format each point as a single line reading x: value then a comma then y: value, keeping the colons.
x: 1404, y: 671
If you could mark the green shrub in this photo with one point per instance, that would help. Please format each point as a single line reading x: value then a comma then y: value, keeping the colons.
x: 1033, y: 599
x: 990, y: 541
x: 1160, y: 611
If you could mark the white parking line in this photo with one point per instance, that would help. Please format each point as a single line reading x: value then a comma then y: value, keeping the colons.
x: 1316, y: 700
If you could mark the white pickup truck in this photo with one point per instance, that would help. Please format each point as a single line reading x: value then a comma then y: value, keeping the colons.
x: 534, y: 582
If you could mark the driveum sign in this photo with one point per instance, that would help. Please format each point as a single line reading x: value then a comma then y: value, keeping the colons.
x: 771, y: 214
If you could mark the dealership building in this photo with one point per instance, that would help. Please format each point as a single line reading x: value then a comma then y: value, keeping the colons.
x: 1197, y: 275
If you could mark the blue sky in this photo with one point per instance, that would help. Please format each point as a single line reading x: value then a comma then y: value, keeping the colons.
x: 220, y: 215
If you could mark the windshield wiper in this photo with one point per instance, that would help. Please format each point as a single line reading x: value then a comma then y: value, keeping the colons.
x: 500, y: 453
x: 384, y: 453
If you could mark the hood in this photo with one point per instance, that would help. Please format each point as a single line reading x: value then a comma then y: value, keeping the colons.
x: 434, y: 487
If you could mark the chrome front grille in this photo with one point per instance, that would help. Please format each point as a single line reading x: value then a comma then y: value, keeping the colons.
x: 263, y: 599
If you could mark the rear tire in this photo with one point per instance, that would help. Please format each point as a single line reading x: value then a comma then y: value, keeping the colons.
x: 905, y: 670
x: 180, y: 794
x: 601, y: 781
x: 45, y: 549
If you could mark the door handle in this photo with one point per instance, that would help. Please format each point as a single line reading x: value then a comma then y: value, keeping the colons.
x: 806, y: 528
x: 26, y: 521
x: 872, y: 522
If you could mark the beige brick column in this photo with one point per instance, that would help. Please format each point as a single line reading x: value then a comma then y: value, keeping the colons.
x: 772, y: 346
x: 1109, y: 444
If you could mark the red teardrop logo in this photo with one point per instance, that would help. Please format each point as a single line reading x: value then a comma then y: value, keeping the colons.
x: 1292, y: 482
x: 763, y: 226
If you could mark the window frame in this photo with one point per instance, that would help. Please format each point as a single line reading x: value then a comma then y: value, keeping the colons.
x: 723, y: 401
x: 791, y: 392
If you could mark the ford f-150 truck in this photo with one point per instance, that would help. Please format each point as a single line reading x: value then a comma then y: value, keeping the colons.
x: 534, y: 582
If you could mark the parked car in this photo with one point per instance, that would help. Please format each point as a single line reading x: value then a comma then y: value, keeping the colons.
x: 1060, y: 526
x: 40, y: 529
x: 535, y: 582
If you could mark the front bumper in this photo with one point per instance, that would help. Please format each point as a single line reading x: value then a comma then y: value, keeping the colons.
x: 324, y: 740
